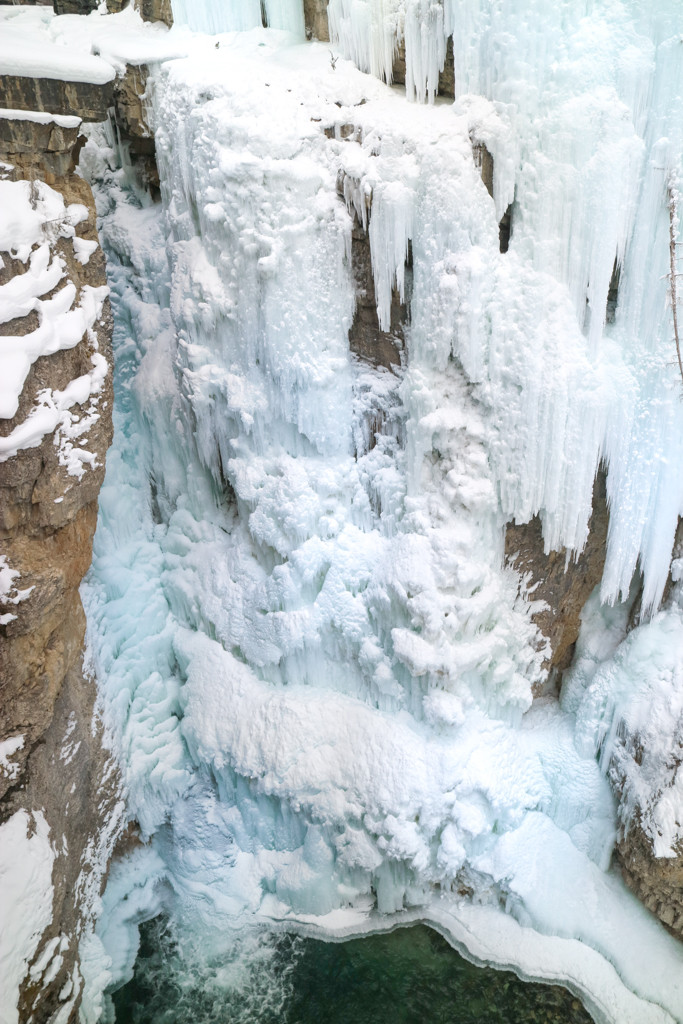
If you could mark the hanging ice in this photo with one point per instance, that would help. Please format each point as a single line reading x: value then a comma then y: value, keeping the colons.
x: 316, y: 671
x: 238, y: 15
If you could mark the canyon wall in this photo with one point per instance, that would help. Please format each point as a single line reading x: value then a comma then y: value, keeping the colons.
x: 58, y: 784
x: 55, y: 773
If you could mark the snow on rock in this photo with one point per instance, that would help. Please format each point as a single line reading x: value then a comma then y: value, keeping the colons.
x: 9, y: 592
x: 630, y: 713
x: 26, y: 859
x: 35, y: 42
x: 33, y: 217
x: 8, y: 748
x: 41, y: 117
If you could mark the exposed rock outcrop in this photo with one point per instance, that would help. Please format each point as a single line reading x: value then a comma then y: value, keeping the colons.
x: 645, y: 768
x: 55, y: 764
x: 74, y: 6
x: 656, y: 881
x: 87, y: 100
x: 563, y: 585
x: 46, y: 149
x: 132, y: 124
x: 315, y: 18
x: 155, y: 10
x: 366, y: 339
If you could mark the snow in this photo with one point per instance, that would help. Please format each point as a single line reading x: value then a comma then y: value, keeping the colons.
x: 26, y: 859
x: 41, y: 117
x: 314, y: 668
x: 8, y: 748
x: 84, y: 249
x: 75, y: 48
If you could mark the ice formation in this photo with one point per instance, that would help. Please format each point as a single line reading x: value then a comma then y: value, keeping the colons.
x: 315, y: 670
x: 239, y: 15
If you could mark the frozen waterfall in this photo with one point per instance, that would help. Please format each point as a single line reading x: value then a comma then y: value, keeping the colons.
x: 315, y: 669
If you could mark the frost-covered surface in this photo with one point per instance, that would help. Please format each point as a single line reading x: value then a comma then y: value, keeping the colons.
x: 26, y: 858
x: 33, y: 217
x: 75, y: 48
x: 629, y: 709
x: 313, y: 666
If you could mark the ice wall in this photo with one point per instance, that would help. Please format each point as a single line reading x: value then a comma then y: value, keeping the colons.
x: 589, y: 100
x: 239, y: 15
x: 313, y: 665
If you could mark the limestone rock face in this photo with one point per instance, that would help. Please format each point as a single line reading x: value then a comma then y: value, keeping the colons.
x: 134, y: 129
x: 155, y: 10
x: 315, y: 18
x: 563, y: 587
x: 46, y: 151
x: 55, y: 761
x: 656, y: 881
x: 86, y: 100
x: 366, y: 339
x: 74, y: 6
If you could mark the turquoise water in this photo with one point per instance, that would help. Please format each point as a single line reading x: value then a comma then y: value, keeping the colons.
x: 410, y: 976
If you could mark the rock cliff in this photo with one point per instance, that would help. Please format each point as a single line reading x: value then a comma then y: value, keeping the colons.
x: 54, y: 768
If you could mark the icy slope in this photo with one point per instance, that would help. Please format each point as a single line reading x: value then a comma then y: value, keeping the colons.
x: 312, y: 663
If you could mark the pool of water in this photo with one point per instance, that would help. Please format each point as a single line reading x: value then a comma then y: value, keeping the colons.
x: 410, y: 976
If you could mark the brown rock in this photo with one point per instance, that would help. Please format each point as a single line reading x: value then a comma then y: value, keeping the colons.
x: 155, y: 10
x: 83, y: 99
x: 563, y: 585
x: 315, y: 19
x: 74, y: 6
x: 656, y: 881
x: 383, y: 348
x: 47, y: 523
x: 44, y: 151
x: 134, y: 129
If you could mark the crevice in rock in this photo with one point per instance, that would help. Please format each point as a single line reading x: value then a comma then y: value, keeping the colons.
x: 505, y: 230
x: 483, y: 161
x: 562, y: 583
x: 366, y: 340
x: 613, y: 294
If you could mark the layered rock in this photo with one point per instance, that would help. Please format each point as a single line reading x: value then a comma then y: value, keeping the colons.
x: 55, y: 772
x: 133, y: 126
x: 88, y: 100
